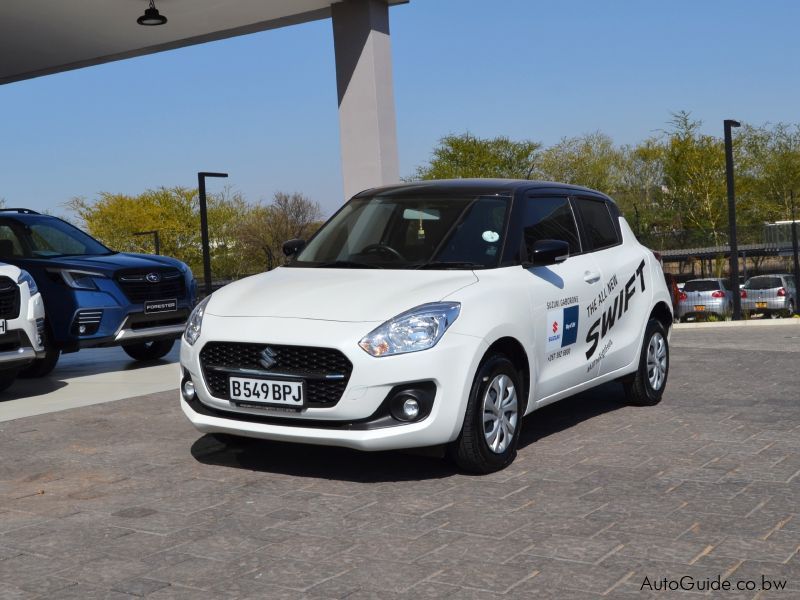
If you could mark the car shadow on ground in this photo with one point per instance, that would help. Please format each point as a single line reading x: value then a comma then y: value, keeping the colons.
x: 323, y: 462
x: 568, y: 412
x: 29, y: 388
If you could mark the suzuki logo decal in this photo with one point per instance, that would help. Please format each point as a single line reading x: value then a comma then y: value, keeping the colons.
x: 153, y: 277
x: 267, y: 358
x: 555, y: 326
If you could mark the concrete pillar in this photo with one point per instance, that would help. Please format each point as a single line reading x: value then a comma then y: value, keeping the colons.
x: 368, y: 128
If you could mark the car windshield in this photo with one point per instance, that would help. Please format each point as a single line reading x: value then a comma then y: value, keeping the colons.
x: 46, y: 237
x: 763, y: 283
x: 418, y: 232
x: 701, y: 285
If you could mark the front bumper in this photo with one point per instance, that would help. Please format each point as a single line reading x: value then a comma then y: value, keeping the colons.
x: 22, y: 342
x: 450, y: 365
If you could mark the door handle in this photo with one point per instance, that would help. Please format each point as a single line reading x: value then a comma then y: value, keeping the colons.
x: 591, y: 277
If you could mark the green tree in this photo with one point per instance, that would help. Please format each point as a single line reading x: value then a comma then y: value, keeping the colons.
x: 768, y: 170
x: 589, y: 160
x: 462, y: 156
x: 641, y: 196
x: 694, y: 181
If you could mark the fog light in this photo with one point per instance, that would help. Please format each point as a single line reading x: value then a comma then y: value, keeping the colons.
x: 411, y: 409
x: 188, y: 390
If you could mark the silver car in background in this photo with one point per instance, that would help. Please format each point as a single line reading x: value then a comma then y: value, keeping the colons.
x: 771, y: 295
x: 703, y: 297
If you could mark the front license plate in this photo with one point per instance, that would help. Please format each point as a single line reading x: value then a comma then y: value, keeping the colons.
x: 700, y: 308
x: 761, y: 305
x: 2, y: 326
x: 286, y: 393
x: 160, y: 306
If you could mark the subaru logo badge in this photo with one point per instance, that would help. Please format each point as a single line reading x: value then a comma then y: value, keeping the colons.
x: 153, y: 277
x: 267, y: 358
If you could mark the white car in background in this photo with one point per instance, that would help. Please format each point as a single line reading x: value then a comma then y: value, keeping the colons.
x: 433, y: 313
x: 21, y: 323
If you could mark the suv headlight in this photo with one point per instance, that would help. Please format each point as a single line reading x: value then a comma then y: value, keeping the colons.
x: 417, y: 329
x: 195, y: 322
x: 79, y: 280
x: 25, y: 277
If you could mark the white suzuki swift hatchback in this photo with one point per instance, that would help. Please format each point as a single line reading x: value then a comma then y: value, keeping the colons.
x: 433, y: 313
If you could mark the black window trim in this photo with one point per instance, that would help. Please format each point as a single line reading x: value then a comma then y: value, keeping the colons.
x: 541, y: 195
x: 613, y: 214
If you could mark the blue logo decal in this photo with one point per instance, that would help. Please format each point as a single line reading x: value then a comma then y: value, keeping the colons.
x: 570, y: 335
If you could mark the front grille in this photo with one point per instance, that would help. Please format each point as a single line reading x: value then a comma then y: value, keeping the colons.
x: 9, y: 298
x: 138, y: 288
x: 311, y: 364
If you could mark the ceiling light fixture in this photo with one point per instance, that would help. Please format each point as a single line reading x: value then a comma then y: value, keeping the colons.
x: 151, y: 16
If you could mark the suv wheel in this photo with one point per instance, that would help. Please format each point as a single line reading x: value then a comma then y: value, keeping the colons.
x: 490, y: 433
x: 43, y: 366
x: 152, y: 350
x: 648, y: 383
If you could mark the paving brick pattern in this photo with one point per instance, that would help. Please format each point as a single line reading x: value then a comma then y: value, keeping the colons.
x: 126, y: 500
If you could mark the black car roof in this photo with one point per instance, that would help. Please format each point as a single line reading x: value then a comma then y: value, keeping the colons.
x: 478, y: 186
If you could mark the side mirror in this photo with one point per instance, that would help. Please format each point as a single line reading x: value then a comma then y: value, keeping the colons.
x: 547, y: 252
x: 292, y: 247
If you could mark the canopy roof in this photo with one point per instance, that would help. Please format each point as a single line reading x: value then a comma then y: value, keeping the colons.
x: 39, y: 37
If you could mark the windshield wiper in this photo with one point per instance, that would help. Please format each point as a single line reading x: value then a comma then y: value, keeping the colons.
x: 347, y: 264
x: 450, y: 264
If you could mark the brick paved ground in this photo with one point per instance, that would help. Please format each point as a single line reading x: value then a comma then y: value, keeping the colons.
x: 125, y: 499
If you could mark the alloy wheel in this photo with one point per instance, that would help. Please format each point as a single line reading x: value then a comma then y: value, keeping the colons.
x: 656, y: 361
x: 500, y: 413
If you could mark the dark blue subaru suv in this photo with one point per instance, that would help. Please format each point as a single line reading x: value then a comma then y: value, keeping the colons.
x: 93, y: 296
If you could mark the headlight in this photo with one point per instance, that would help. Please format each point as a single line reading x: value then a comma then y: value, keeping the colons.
x: 79, y: 280
x: 417, y: 329
x: 195, y: 322
x: 25, y: 277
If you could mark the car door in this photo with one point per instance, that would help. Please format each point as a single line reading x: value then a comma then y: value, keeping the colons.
x: 559, y: 294
x: 618, y: 314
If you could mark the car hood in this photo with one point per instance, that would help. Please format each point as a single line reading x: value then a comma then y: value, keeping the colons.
x: 335, y: 294
x: 109, y: 263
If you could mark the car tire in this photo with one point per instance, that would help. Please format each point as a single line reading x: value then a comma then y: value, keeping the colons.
x: 480, y: 451
x: 647, y: 385
x: 152, y: 350
x: 45, y: 365
x: 7, y: 377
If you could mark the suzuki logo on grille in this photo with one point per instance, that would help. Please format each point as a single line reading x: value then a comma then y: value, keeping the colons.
x: 153, y: 277
x: 267, y: 358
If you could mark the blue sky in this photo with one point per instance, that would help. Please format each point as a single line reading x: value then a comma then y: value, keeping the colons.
x: 263, y: 106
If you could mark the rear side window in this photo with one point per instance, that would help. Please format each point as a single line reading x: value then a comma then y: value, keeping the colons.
x: 701, y: 285
x: 763, y: 283
x: 597, y: 224
x: 550, y: 219
x: 9, y: 243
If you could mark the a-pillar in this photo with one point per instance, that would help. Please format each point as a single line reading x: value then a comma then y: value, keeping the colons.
x: 368, y: 128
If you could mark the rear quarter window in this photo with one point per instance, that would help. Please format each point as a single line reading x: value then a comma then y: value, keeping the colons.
x: 598, y: 224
